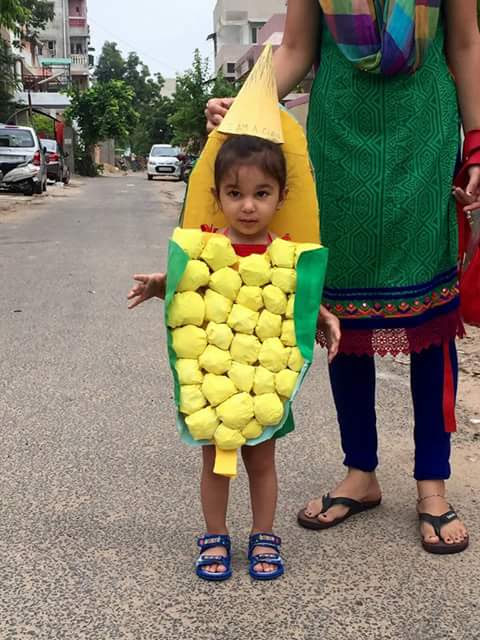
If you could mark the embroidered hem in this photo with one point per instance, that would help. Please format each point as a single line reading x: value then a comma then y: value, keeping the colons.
x: 405, y: 340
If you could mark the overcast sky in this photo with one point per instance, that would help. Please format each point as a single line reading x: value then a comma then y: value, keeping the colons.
x: 164, y: 33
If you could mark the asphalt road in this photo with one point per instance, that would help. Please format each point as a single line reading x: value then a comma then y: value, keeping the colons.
x: 98, y: 498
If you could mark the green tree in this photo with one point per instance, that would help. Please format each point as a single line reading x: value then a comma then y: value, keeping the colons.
x: 154, y: 110
x: 26, y: 17
x: 104, y: 111
x: 153, y: 126
x: 111, y: 65
x: 194, y: 88
x: 7, y: 81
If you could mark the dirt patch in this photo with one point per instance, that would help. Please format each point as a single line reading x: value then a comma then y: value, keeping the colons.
x: 469, y: 391
x: 11, y: 204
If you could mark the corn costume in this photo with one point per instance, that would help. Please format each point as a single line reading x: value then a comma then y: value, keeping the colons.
x: 241, y: 330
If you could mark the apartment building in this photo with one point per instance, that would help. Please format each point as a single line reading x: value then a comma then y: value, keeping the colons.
x: 60, y: 58
x: 66, y: 38
x: 237, y: 25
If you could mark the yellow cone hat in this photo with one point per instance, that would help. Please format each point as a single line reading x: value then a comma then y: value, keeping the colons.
x: 255, y: 111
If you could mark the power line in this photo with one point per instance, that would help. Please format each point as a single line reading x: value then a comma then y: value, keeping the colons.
x: 133, y: 47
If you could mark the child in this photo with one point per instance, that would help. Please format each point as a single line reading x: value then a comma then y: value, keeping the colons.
x: 250, y: 186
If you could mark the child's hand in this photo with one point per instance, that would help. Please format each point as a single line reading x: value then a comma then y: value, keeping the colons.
x: 149, y: 286
x: 330, y: 325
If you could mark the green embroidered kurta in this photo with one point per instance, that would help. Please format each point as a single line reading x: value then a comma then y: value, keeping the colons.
x: 384, y: 151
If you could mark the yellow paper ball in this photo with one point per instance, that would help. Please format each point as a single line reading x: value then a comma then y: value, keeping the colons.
x: 220, y: 335
x: 189, y: 342
x: 264, y: 381
x: 196, y: 275
x: 215, y: 360
x: 217, y: 389
x: 237, y: 411
x: 242, y: 376
x: 186, y: 308
x: 282, y: 253
x: 289, y: 313
x: 188, y: 371
x: 269, y: 325
x: 242, y: 319
x: 217, y: 307
x: 274, y: 299
x: 219, y: 253
x: 255, y: 270
x: 253, y: 430
x: 288, y: 334
x: 191, y: 241
x: 202, y: 424
x: 245, y: 348
x: 228, y: 439
x: 191, y: 399
x: 284, y: 279
x: 250, y: 297
x: 273, y: 355
x: 295, y: 361
x: 227, y: 282
x: 268, y: 409
x: 285, y: 382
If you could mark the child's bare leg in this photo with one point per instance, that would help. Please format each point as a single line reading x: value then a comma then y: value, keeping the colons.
x: 214, y: 496
x: 260, y: 465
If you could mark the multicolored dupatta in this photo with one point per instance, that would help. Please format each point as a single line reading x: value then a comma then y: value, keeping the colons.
x: 387, y: 37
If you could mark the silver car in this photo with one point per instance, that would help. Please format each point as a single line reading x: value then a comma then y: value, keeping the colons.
x: 23, y: 166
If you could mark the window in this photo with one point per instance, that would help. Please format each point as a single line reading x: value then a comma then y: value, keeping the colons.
x: 16, y: 138
x: 230, y: 67
x: 254, y: 31
x: 51, y: 48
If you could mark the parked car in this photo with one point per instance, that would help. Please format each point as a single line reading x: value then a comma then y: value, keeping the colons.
x: 23, y: 166
x: 164, y: 161
x: 57, y: 168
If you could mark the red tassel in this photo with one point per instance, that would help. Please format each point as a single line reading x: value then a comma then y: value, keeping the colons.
x: 448, y: 391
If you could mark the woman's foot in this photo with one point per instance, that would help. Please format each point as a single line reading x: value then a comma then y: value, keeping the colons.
x: 358, y: 485
x: 431, y: 500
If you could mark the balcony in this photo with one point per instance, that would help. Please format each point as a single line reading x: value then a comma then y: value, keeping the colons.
x: 77, y: 21
x: 78, y: 26
x: 79, y: 62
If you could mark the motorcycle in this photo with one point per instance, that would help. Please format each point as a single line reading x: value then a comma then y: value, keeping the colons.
x: 187, y: 168
x: 23, y: 179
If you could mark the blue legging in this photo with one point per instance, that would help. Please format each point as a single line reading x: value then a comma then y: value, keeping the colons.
x: 353, y: 385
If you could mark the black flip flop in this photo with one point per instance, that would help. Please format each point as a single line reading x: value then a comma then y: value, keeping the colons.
x: 354, y: 507
x: 437, y: 523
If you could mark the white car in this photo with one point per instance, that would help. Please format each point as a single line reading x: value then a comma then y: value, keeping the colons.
x: 23, y: 166
x: 163, y: 161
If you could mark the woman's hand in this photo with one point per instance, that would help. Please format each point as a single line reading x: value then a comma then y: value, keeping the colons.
x: 470, y: 197
x: 149, y: 286
x: 330, y: 325
x: 216, y: 111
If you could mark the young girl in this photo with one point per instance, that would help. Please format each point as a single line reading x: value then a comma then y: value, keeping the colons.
x: 250, y: 186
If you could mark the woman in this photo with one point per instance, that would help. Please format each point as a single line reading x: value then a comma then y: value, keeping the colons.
x: 383, y: 132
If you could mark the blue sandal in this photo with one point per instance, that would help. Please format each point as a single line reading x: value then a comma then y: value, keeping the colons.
x: 209, y: 541
x: 265, y: 540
